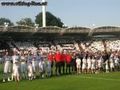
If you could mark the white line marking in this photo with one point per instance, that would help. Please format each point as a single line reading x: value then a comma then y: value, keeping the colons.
x: 100, y: 78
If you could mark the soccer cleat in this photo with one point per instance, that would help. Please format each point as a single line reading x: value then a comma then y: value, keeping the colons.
x: 34, y: 77
x: 9, y: 79
x: 3, y: 80
x: 30, y: 78
x: 107, y: 71
x: 43, y: 76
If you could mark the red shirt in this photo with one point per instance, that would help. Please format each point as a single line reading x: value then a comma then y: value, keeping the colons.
x: 51, y: 57
x: 57, y: 57
x: 68, y: 58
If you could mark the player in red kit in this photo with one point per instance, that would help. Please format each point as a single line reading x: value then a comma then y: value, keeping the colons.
x: 63, y: 59
x: 68, y: 62
x: 58, y: 62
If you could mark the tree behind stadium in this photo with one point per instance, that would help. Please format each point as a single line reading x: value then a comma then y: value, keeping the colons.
x: 51, y: 20
x: 25, y: 22
x: 5, y: 20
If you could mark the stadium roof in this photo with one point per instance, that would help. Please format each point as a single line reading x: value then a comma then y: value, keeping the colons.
x: 27, y: 31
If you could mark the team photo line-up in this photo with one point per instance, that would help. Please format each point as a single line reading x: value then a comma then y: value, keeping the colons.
x: 29, y: 62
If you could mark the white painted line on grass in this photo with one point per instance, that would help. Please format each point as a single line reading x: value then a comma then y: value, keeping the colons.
x: 107, y: 79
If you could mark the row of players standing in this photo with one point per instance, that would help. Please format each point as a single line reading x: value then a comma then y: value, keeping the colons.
x: 30, y: 64
x: 56, y: 63
x: 23, y: 65
x: 86, y: 62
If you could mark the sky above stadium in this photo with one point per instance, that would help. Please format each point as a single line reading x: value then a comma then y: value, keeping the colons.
x: 71, y: 12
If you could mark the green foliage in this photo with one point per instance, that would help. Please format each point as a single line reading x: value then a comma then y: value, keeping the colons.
x: 26, y: 21
x: 51, y: 20
x: 5, y: 20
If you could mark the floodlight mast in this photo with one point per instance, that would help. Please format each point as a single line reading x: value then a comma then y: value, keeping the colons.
x: 43, y: 14
x: 91, y: 31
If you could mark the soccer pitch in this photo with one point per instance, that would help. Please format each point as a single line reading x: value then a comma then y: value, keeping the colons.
x: 103, y: 81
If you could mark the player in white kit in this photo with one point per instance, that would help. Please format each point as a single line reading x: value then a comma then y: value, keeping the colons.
x: 84, y: 64
x: 93, y: 65
x: 34, y: 65
x: 89, y: 64
x: 16, y: 66
x: 16, y: 71
x: 30, y: 59
x: 111, y: 60
x: 42, y: 67
x: 30, y: 71
x: 78, y: 65
x: 100, y: 63
x: 117, y: 62
x: 38, y: 58
x: 7, y: 66
x: 107, y: 66
x: 23, y: 66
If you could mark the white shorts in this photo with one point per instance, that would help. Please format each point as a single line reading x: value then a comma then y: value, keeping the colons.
x: 30, y: 74
x: 16, y: 73
x: 30, y: 71
x: 99, y: 65
x: 78, y: 66
x: 111, y: 65
x: 7, y: 67
x: 106, y: 67
x: 93, y: 66
x: 89, y: 66
x: 16, y: 70
x: 83, y: 66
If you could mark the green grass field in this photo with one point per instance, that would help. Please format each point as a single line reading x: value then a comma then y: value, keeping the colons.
x: 103, y: 81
